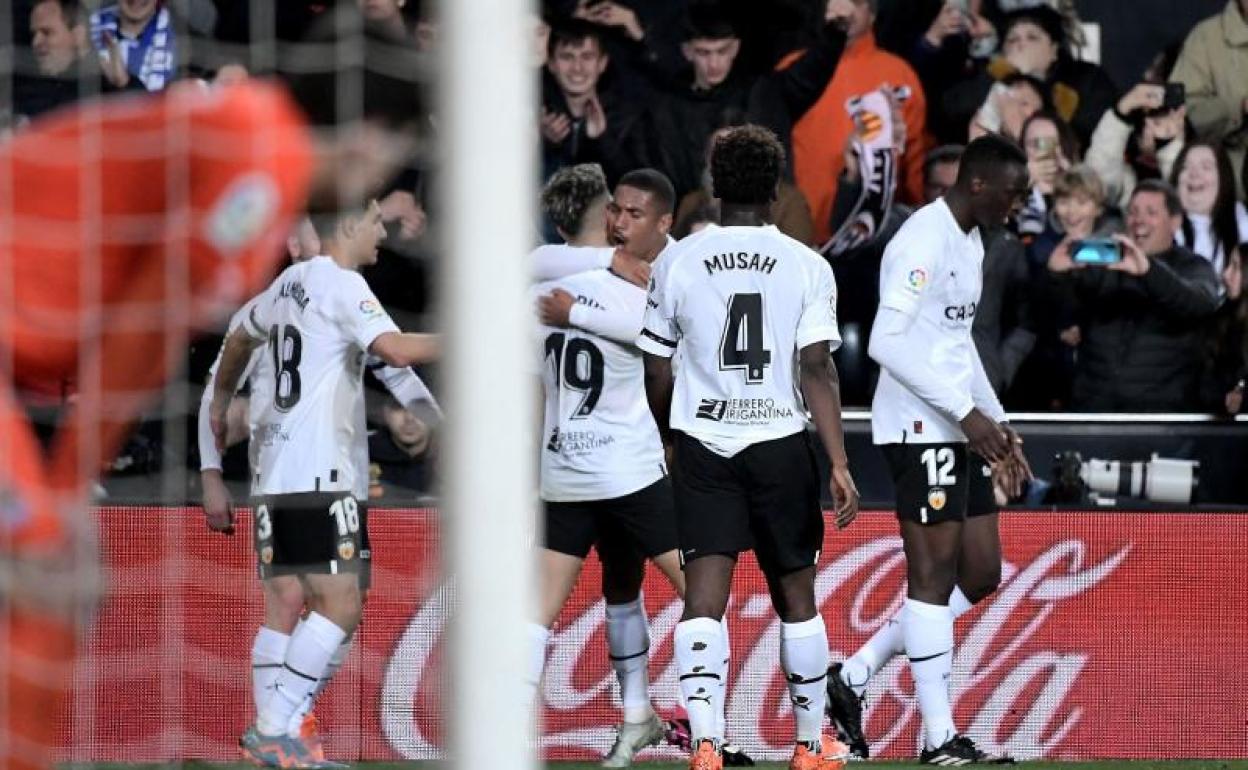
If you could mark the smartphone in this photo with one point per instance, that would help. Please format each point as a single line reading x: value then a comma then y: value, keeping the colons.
x: 1044, y: 146
x: 1096, y: 251
x: 1175, y: 96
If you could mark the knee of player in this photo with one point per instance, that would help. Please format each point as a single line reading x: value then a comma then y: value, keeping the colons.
x: 981, y: 585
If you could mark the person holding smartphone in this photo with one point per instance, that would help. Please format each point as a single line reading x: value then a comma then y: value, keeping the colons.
x: 1145, y: 315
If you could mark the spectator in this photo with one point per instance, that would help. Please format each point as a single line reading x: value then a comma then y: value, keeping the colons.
x: 1051, y: 149
x: 940, y: 170
x: 789, y: 212
x: 819, y: 137
x: 1034, y: 44
x: 1228, y: 348
x: 1078, y: 213
x: 581, y: 123
x: 672, y: 133
x: 954, y: 48
x: 137, y: 35
x: 1145, y: 317
x: 387, y: 14
x: 1213, y: 67
x: 58, y: 34
x: 1214, y: 223
x: 1009, y: 104
x: 400, y: 454
x: 1136, y: 140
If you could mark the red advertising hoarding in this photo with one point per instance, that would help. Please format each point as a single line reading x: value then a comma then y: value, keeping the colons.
x: 1112, y: 635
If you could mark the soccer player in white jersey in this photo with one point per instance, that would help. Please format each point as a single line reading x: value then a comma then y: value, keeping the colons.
x: 283, y: 594
x: 319, y: 320
x: 751, y: 313
x: 940, y: 426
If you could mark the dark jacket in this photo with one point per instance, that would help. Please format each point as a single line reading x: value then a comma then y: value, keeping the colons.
x: 578, y: 147
x: 399, y: 475
x: 36, y: 94
x: 1078, y: 91
x: 1003, y: 330
x: 672, y: 132
x: 1142, y: 348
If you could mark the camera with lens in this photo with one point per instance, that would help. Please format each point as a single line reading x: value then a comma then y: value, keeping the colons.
x: 1100, y: 482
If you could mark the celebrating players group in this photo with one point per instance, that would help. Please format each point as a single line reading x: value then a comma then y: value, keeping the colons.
x: 680, y: 380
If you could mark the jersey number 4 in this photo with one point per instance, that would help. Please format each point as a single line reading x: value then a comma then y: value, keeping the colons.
x: 742, y: 343
x: 579, y: 365
x: 287, y: 347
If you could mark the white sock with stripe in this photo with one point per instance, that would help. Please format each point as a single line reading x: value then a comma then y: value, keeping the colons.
x: 628, y: 644
x: 307, y: 656
x: 699, y: 648
x: 804, y: 660
x: 929, y: 645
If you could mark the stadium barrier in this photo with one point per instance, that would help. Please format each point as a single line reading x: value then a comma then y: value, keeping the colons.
x: 1113, y: 635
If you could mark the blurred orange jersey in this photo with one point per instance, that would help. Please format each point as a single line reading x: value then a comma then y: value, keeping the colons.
x: 123, y: 224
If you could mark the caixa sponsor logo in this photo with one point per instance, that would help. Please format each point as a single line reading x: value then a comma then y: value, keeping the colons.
x: 1012, y: 689
x: 961, y: 312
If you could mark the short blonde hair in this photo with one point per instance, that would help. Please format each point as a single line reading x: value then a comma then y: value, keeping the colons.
x: 1080, y: 180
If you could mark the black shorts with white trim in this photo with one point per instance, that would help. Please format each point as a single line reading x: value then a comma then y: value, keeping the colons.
x: 939, y: 482
x: 765, y: 499
x: 637, y: 525
x: 308, y: 533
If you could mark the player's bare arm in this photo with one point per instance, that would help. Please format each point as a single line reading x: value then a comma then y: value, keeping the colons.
x: 821, y: 387
x: 234, y: 357
x: 659, y: 382
x: 406, y: 349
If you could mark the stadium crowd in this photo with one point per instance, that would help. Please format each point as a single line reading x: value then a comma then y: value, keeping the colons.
x: 1156, y: 165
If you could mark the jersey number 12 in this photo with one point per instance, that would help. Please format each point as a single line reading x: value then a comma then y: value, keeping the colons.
x: 742, y: 343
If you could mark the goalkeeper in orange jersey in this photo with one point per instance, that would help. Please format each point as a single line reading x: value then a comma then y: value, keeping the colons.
x: 129, y: 223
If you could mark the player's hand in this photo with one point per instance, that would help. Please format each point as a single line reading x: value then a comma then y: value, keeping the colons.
x: 1014, y: 472
x: 630, y: 268
x: 985, y: 438
x: 218, y: 505
x: 844, y: 495
x: 555, y: 309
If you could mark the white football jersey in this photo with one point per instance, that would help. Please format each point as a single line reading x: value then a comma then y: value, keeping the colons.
x: 736, y: 304
x: 319, y: 320
x: 932, y: 272
x: 599, y: 440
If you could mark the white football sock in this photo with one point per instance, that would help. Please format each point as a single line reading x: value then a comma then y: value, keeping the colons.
x: 699, y: 647
x: 628, y: 643
x: 268, y: 652
x: 721, y: 697
x: 887, y: 642
x: 335, y: 662
x: 959, y: 605
x: 804, y: 660
x: 538, y: 636
x: 929, y: 645
x: 311, y: 647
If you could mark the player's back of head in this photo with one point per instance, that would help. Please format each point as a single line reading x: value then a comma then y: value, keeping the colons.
x: 746, y: 164
x: 985, y: 158
x: 570, y: 194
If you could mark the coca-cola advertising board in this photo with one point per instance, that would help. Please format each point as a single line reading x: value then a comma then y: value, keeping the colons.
x: 1113, y: 635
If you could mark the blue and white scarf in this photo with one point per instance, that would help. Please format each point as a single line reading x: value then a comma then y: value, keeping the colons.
x: 151, y: 57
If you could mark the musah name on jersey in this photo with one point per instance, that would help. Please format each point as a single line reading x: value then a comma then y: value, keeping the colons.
x: 742, y: 260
